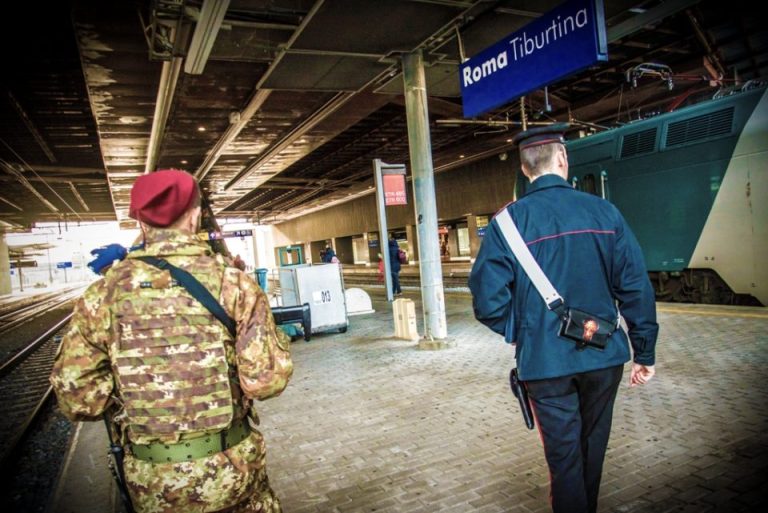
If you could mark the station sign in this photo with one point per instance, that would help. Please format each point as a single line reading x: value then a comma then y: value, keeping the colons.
x: 228, y: 235
x: 563, y: 41
x: 393, y: 183
x: 394, y: 190
x: 63, y: 265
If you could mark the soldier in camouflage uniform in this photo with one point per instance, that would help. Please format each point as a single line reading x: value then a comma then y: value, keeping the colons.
x: 180, y: 387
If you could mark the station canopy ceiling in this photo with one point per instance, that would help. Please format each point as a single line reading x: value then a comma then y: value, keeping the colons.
x: 296, y: 97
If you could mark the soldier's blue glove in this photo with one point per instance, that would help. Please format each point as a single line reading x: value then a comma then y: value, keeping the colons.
x: 106, y: 256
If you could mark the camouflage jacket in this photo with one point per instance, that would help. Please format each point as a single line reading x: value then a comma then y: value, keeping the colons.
x: 109, y: 321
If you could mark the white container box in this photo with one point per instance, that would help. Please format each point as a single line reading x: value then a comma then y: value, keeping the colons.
x: 322, y: 286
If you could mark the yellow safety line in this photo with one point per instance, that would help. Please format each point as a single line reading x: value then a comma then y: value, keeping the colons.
x: 721, y: 313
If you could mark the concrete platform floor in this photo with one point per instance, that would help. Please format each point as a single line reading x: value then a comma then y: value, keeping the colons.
x: 371, y: 423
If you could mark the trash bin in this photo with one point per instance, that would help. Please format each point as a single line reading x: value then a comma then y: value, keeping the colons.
x: 261, y: 277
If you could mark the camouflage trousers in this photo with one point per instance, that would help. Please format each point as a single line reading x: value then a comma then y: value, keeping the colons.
x: 232, y: 481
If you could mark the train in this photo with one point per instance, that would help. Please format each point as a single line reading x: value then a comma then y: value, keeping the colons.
x: 692, y: 184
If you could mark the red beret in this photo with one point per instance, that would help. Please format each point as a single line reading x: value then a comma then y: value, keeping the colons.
x: 160, y: 198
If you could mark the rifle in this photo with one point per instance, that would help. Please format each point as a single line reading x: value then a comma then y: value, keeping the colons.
x: 117, y: 453
x: 518, y: 388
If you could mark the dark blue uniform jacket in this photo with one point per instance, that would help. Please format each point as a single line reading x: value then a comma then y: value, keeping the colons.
x: 590, y: 255
x: 394, y: 258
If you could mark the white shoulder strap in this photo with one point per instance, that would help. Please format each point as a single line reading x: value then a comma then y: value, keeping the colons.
x: 523, y: 254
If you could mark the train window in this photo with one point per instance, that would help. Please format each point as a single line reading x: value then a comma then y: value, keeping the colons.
x: 587, y: 184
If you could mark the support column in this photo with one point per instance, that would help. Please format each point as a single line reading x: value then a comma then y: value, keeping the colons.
x: 474, y: 238
x: 413, y: 243
x: 5, y: 267
x: 425, y: 203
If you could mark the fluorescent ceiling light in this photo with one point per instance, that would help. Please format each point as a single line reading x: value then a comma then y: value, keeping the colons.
x: 211, y: 15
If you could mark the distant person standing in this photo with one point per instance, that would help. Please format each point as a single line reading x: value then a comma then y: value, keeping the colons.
x: 395, y: 266
x: 329, y: 255
x: 588, y: 252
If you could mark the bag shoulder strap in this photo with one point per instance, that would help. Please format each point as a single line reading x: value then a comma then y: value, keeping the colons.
x: 197, y: 289
x: 516, y: 243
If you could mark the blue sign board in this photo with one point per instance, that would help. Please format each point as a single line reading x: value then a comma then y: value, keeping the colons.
x: 63, y: 265
x: 563, y: 41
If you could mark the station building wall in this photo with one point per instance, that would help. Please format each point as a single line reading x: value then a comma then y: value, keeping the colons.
x: 478, y: 188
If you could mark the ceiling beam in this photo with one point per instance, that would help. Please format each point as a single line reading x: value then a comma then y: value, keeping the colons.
x: 297, y: 133
x: 169, y: 76
x: 463, y: 4
x: 334, y: 104
x: 704, y: 41
x: 227, y: 24
x: 57, y: 180
x: 69, y: 170
x: 78, y: 197
x: 32, y: 128
x: 206, y: 30
x: 9, y: 202
x: 31, y: 188
x: 517, y: 12
x: 258, y: 97
x: 242, y: 119
x: 649, y: 17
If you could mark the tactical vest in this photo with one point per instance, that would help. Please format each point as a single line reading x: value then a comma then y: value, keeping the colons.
x: 173, y: 361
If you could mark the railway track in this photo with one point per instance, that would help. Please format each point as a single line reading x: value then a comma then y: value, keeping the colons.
x: 15, y: 314
x: 24, y: 389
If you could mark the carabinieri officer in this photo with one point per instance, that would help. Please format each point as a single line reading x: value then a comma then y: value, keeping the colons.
x: 588, y: 252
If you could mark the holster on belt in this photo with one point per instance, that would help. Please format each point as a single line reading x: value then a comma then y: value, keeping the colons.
x: 518, y: 388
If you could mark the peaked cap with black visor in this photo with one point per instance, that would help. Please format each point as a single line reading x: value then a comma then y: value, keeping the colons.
x: 554, y: 133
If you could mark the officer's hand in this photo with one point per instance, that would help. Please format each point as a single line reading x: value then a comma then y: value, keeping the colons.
x: 105, y: 257
x: 641, y: 374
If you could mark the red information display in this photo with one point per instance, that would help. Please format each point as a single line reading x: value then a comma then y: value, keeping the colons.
x: 394, y: 190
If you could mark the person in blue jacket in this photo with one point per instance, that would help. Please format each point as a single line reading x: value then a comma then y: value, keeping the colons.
x: 328, y: 254
x: 588, y: 252
x: 105, y: 256
x: 395, y: 266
